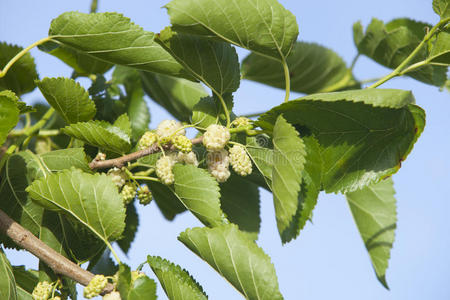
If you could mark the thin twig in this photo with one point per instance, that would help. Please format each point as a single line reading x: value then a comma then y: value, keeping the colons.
x: 119, y: 162
x: 58, y: 263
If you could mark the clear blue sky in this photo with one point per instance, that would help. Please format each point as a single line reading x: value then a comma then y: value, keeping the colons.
x: 328, y: 260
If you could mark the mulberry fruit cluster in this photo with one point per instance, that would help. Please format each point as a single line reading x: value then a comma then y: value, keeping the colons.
x: 95, y: 286
x: 147, y: 139
x: 218, y: 164
x: 168, y: 128
x: 42, y: 291
x: 118, y: 176
x: 240, y: 161
x: 216, y: 137
x: 128, y: 192
x: 240, y: 122
x: 112, y: 296
x: 182, y: 143
x: 187, y: 158
x: 164, y: 169
x: 144, y: 195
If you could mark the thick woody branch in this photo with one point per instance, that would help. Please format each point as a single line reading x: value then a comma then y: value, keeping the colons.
x: 58, y: 263
x: 121, y: 161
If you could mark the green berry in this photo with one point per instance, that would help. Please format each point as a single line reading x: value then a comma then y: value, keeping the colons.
x: 182, y: 143
x: 216, y: 137
x: 95, y: 286
x: 240, y: 161
x: 42, y: 291
x: 147, y: 140
x: 112, y: 296
x: 164, y: 169
x: 144, y: 195
x: 128, y: 192
x: 241, y: 122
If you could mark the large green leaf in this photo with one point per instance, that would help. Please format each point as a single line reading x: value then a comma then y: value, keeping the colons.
x: 115, y: 39
x: 265, y: 27
x: 240, y: 202
x: 82, y: 64
x: 131, y: 227
x: 237, y: 258
x: 100, y: 134
x: 92, y: 200
x: 262, y: 158
x: 26, y: 280
x: 374, y: 211
x: 21, y: 76
x: 9, y: 114
x: 288, y: 163
x: 138, y: 289
x: 7, y: 281
x: 313, y: 68
x: 214, y: 63
x: 177, y: 95
x: 176, y: 282
x: 442, y: 8
x: 168, y: 203
x: 59, y: 160
x: 390, y: 44
x: 364, y: 135
x: 440, y: 52
x: 199, y: 192
x: 68, y: 98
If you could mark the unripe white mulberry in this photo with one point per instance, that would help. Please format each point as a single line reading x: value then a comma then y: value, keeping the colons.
x: 128, y: 193
x: 144, y: 195
x: 240, y: 122
x: 42, y: 291
x: 240, y: 161
x: 187, y: 158
x: 164, y: 169
x: 100, y: 156
x: 168, y: 128
x: 95, y: 286
x: 112, y: 296
x: 118, y: 176
x: 147, y: 139
x: 182, y: 143
x: 216, y: 137
x: 218, y: 163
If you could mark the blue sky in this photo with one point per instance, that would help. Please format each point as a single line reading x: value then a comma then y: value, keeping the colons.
x: 328, y: 260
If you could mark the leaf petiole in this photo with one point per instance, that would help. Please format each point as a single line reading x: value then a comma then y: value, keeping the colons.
x: 287, y: 78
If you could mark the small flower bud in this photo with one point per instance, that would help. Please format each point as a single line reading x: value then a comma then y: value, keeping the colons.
x: 240, y: 161
x: 218, y: 163
x: 148, y: 139
x: 216, y: 137
x: 182, y: 143
x: 164, y: 169
x: 128, y: 193
x: 240, y: 122
x: 168, y: 128
x: 42, y: 291
x: 112, y: 296
x: 144, y: 195
x: 100, y: 156
x: 95, y: 286
x: 187, y: 158
x: 118, y: 176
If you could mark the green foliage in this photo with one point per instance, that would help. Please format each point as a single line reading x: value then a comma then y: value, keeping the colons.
x: 440, y: 52
x: 235, y: 257
x: 312, y: 69
x: 9, y: 114
x: 20, y: 78
x: 131, y: 226
x: 374, y: 211
x: 7, y: 282
x: 68, y: 98
x: 140, y: 288
x: 442, y: 8
x: 177, y: 282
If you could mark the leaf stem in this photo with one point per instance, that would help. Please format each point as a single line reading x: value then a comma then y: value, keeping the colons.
x: 5, y: 155
x: 146, y: 178
x: 398, y: 70
x: 31, y: 130
x: 355, y: 59
x: 20, y: 54
x: 41, y: 133
x: 94, y: 5
x: 112, y: 251
x: 225, y: 109
x: 287, y: 78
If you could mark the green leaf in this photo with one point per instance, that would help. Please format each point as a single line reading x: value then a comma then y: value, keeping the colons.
x: 7, y: 281
x: 313, y: 68
x: 214, y: 63
x: 9, y: 114
x: 26, y: 280
x: 364, y: 135
x: 440, y: 52
x: 21, y: 76
x: 131, y: 226
x: 288, y: 163
x: 263, y: 27
x: 92, y: 200
x: 237, y: 258
x: 374, y: 211
x: 262, y: 158
x: 391, y: 43
x: 68, y: 98
x: 83, y: 64
x: 123, y: 123
x: 177, y: 95
x: 240, y: 202
x: 104, y: 265
x: 442, y: 8
x: 113, y: 38
x: 199, y: 192
x: 100, y: 134
x: 139, y: 289
x: 168, y: 203
x: 59, y: 160
x: 205, y: 112
x: 176, y: 282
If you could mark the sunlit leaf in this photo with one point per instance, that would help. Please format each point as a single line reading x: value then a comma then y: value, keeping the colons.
x: 9, y: 114
x: 7, y: 282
